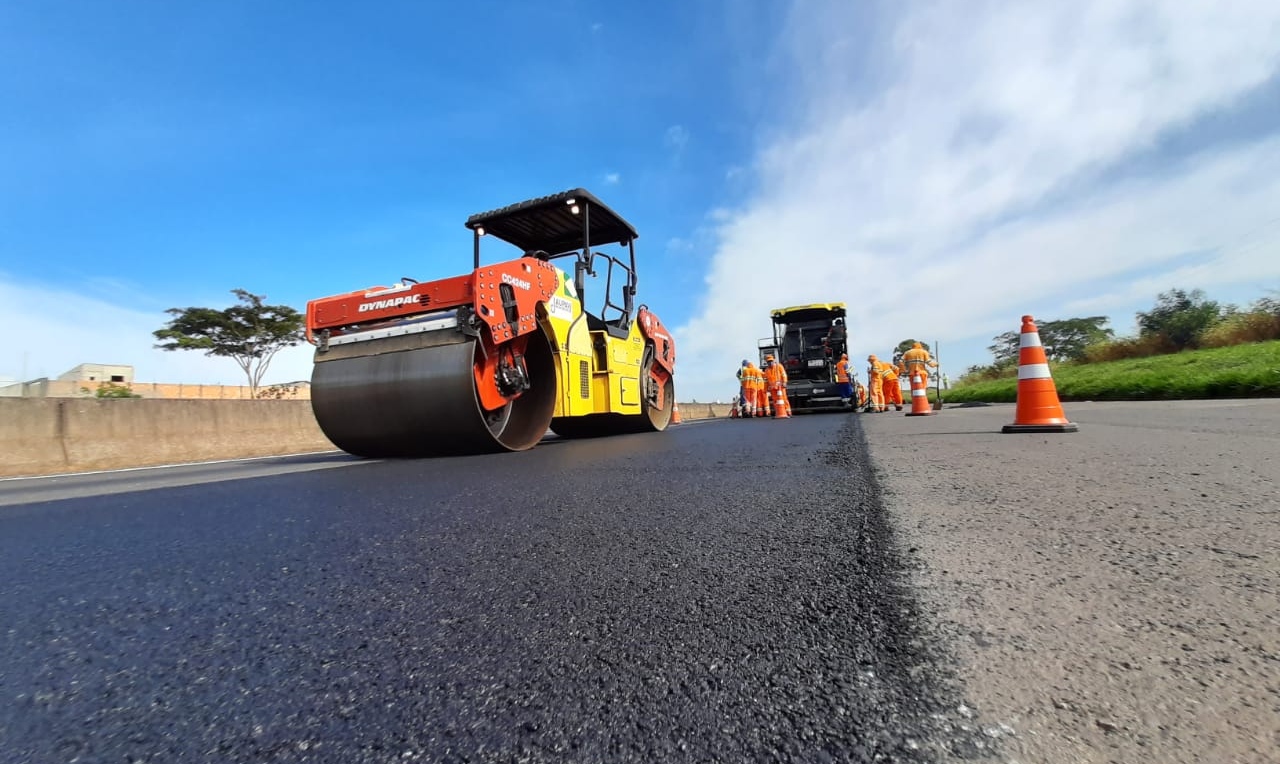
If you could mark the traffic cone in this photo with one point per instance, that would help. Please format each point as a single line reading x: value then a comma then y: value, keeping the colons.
x: 1038, y: 407
x: 675, y: 414
x: 781, y: 407
x: 919, y: 398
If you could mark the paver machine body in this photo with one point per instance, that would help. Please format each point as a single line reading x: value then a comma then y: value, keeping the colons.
x: 808, y: 341
x: 492, y: 359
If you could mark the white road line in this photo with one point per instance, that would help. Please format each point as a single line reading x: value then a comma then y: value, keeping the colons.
x: 165, y: 466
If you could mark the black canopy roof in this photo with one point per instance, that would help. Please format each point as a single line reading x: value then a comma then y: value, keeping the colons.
x: 548, y: 223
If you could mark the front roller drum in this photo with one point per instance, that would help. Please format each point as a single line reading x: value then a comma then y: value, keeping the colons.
x: 423, y: 401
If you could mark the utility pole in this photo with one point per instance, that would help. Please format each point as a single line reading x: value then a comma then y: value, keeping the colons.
x: 937, y: 382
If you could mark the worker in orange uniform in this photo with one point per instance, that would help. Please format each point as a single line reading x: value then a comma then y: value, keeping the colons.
x: 918, y: 361
x: 892, y: 387
x: 875, y: 383
x: 764, y: 393
x: 776, y: 378
x: 862, y: 395
x: 843, y: 379
x: 746, y: 390
x: 761, y: 392
x: 751, y: 389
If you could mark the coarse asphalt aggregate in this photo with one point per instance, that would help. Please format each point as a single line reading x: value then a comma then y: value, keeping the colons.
x: 728, y: 591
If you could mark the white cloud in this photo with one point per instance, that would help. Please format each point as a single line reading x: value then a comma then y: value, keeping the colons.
x: 52, y: 330
x: 967, y: 189
x: 676, y: 138
x: 612, y: 178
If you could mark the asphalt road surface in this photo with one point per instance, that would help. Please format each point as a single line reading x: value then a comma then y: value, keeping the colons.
x: 1110, y: 595
x: 726, y: 591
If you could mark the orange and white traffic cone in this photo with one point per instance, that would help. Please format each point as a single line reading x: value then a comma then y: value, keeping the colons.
x: 675, y: 414
x: 919, y: 398
x: 1039, y: 409
x: 781, y: 406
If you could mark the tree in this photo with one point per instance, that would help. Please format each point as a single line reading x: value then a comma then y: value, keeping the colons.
x: 250, y: 333
x: 1063, y: 340
x: 1179, y: 317
x: 112, y: 390
x: 1066, y: 339
x: 1268, y: 304
x: 1005, y: 348
x: 278, y: 392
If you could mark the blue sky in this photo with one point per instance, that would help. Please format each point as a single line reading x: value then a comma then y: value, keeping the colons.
x: 943, y: 168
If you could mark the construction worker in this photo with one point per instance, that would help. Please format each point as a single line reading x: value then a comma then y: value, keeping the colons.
x: 875, y: 383
x: 776, y: 378
x: 750, y: 390
x: 835, y: 337
x: 746, y: 390
x: 843, y: 378
x: 760, y: 392
x: 892, y: 387
x: 862, y: 395
x: 918, y: 361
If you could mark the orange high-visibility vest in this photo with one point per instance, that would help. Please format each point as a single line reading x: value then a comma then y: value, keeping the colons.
x: 917, y: 358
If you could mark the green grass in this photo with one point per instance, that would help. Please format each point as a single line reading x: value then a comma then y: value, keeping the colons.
x: 1241, y: 371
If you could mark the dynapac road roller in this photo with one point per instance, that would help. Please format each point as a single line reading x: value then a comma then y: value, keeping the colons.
x: 490, y: 360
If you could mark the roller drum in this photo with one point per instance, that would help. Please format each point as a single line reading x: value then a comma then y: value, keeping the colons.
x: 650, y: 418
x: 423, y: 402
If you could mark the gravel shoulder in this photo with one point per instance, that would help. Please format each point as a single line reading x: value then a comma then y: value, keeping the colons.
x: 1110, y: 595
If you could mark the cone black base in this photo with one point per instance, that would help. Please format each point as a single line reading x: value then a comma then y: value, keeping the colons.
x: 1068, y: 427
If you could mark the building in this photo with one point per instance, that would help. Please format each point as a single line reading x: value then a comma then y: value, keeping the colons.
x: 85, y: 380
x: 98, y: 373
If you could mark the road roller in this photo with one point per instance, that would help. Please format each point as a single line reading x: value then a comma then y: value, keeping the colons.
x: 492, y: 360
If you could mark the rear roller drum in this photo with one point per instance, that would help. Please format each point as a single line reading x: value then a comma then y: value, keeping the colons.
x: 658, y: 418
x: 650, y: 419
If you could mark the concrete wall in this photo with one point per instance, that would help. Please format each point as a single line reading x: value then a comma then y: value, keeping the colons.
x: 691, y: 411
x: 42, y: 436
x: 46, y: 436
x: 220, y: 392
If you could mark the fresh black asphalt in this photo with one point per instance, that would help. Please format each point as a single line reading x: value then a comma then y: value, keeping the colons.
x: 727, y: 591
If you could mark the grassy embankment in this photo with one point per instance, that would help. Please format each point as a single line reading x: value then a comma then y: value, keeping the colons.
x: 1241, y: 371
